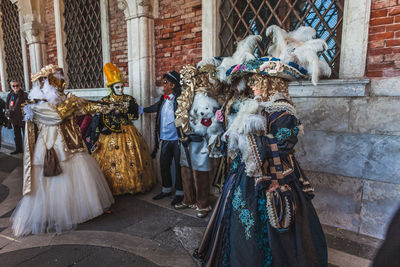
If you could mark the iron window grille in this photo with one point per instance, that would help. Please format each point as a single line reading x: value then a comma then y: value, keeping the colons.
x: 83, y: 44
x: 240, y: 18
x: 12, y: 42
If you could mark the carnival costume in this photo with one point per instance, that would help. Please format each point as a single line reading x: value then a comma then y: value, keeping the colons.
x: 264, y: 215
x: 166, y: 134
x: 120, y: 149
x: 196, y: 121
x: 63, y: 185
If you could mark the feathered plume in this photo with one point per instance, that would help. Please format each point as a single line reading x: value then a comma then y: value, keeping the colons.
x: 244, y: 52
x: 299, y: 47
x: 210, y: 61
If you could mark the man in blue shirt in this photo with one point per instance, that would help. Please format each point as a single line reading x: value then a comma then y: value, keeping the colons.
x: 166, y: 132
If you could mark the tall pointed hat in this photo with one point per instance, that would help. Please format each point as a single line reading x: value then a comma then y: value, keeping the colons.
x: 113, y: 74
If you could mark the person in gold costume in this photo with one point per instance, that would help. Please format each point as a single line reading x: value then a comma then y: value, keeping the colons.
x: 62, y: 184
x: 120, y: 150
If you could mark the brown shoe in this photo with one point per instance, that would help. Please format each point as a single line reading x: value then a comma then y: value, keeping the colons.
x: 202, y: 213
x: 181, y: 206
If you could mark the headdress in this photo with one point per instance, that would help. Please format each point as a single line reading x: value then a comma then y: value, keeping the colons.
x: 193, y: 81
x: 44, y: 72
x: 113, y: 74
x: 244, y: 52
x: 299, y: 47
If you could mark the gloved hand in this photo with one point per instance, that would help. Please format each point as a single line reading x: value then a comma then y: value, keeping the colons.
x: 141, y: 110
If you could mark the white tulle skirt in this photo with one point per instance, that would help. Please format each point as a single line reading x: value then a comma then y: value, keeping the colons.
x: 59, y: 203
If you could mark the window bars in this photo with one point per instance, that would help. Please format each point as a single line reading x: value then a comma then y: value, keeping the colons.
x: 83, y: 44
x: 240, y: 18
x: 12, y: 42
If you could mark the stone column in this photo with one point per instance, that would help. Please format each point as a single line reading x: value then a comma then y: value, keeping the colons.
x: 34, y: 35
x: 60, y: 34
x: 210, y: 28
x: 141, y: 57
x: 353, y: 57
x: 27, y: 78
x: 32, y: 29
x: 3, y: 73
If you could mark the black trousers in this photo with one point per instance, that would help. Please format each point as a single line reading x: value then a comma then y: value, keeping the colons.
x: 18, y: 130
x: 170, y: 150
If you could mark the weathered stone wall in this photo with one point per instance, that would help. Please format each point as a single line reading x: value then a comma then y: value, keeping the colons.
x: 351, y: 152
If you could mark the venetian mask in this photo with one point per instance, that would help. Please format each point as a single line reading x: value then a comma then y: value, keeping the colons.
x: 118, y: 88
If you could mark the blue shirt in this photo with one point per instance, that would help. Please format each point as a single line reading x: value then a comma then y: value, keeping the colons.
x: 167, y: 121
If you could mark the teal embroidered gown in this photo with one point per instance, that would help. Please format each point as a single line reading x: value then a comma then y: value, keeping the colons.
x: 238, y: 233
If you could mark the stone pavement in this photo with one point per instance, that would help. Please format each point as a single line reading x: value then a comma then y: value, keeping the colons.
x: 137, y: 232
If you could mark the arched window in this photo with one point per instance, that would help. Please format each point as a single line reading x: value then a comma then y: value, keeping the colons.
x: 241, y: 18
x: 84, y: 60
x: 14, y: 66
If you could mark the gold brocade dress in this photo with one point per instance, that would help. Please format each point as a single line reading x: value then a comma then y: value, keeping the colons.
x: 121, y: 151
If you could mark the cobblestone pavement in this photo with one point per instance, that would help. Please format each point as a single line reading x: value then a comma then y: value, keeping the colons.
x: 137, y: 232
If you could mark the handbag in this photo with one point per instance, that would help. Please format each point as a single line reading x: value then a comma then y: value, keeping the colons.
x: 280, y: 207
x: 51, y: 164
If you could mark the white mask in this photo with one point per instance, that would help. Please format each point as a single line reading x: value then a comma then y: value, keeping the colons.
x: 118, y: 88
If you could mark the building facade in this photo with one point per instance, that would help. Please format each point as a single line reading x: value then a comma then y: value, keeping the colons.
x: 351, y: 145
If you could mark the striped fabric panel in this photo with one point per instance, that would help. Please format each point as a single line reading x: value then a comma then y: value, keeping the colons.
x: 275, y: 164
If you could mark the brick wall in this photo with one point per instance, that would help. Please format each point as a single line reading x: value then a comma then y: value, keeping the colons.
x: 384, y: 39
x: 118, y: 37
x: 177, y: 35
x: 50, y: 33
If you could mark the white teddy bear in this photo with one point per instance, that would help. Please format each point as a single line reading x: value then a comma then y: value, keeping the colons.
x: 203, y: 121
x: 202, y: 116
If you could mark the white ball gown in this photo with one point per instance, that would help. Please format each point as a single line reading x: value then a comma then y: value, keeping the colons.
x: 59, y: 203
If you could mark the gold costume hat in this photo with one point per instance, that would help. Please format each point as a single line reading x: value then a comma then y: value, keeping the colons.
x: 44, y: 72
x: 113, y: 74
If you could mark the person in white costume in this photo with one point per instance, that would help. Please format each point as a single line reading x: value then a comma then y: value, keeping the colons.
x: 63, y: 184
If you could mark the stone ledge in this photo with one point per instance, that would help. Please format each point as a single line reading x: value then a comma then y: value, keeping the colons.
x: 91, y: 93
x: 385, y: 87
x: 324, y: 88
x: 329, y: 88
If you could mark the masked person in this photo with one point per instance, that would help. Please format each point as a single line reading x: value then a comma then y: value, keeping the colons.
x: 166, y: 132
x: 264, y: 216
x: 120, y: 149
x: 196, y: 123
x: 63, y: 184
